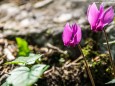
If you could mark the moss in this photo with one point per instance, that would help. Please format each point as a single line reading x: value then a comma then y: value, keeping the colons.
x: 89, y: 49
x: 99, y: 63
x: 101, y: 70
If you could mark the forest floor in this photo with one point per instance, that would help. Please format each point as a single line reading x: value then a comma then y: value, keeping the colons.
x: 40, y: 23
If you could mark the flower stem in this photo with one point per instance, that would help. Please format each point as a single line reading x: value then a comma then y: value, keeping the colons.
x: 112, y: 63
x: 87, y: 67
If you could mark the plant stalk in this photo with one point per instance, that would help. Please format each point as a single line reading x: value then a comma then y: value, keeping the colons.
x: 108, y: 47
x: 87, y: 67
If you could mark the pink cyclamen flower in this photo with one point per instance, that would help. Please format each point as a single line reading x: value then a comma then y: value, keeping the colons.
x: 99, y: 18
x: 71, y: 35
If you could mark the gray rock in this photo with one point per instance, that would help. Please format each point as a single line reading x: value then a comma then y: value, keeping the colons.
x: 63, y: 18
x: 10, y: 25
x: 9, y: 9
x: 77, y: 13
x: 42, y: 3
x: 82, y: 20
x: 27, y: 19
x: 27, y: 22
x: 21, y: 15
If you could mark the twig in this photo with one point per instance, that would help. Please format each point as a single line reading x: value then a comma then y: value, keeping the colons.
x: 87, y: 67
x: 56, y: 48
x: 112, y: 63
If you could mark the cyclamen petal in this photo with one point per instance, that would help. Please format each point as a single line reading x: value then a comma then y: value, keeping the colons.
x: 67, y: 34
x: 108, y: 16
x: 92, y: 14
x: 101, y: 7
x: 99, y: 18
x: 101, y: 10
x: 74, y: 28
x: 99, y: 27
x: 71, y: 35
x: 78, y: 35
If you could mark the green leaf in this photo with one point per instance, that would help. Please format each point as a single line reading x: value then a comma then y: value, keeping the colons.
x: 5, y: 84
x: 111, y: 82
x: 31, y: 59
x: 110, y: 42
x: 23, y: 47
x: 23, y: 76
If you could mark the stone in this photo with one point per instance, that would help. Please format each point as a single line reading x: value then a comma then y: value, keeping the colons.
x: 64, y: 17
x: 27, y: 22
x: 82, y: 20
x: 9, y: 9
x: 8, y: 54
x: 42, y: 3
x: 22, y: 15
